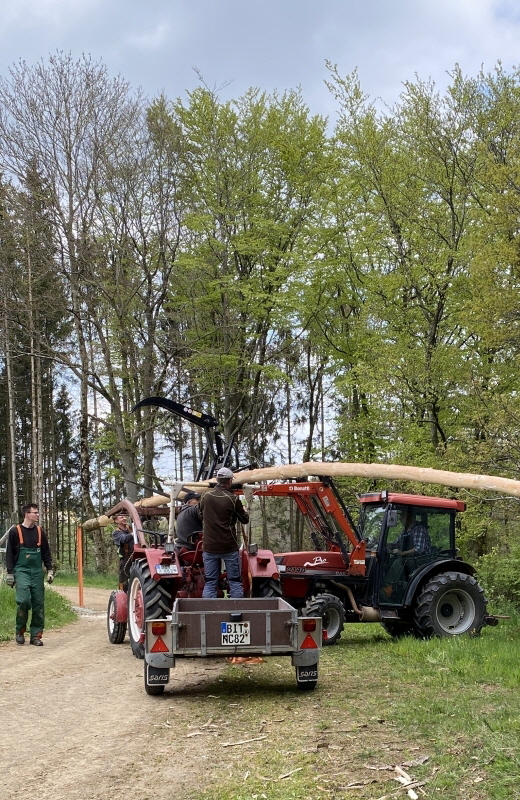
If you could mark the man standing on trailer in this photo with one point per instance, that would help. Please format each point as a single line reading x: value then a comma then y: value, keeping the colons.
x: 220, y: 510
x: 27, y: 552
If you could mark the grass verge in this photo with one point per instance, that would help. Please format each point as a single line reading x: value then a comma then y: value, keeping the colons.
x: 58, y: 611
x: 446, y: 711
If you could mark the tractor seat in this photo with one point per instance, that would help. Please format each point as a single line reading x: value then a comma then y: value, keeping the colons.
x: 190, y: 557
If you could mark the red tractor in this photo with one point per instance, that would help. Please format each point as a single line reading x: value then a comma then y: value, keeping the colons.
x: 158, y: 573
x: 399, y: 566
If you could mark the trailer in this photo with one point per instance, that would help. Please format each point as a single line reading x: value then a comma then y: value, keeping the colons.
x: 204, y: 627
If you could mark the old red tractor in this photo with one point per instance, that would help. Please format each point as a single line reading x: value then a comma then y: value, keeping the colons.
x: 158, y: 573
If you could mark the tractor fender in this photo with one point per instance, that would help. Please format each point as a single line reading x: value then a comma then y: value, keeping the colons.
x: 261, y: 564
x: 121, y: 606
x: 429, y: 570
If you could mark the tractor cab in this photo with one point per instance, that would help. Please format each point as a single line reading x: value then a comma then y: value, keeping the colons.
x: 405, y: 534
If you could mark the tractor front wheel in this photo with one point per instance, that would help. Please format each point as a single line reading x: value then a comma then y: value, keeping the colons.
x: 450, y: 604
x: 116, y: 630
x: 147, y: 599
x: 332, y: 612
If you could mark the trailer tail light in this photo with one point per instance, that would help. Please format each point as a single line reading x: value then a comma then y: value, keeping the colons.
x: 158, y: 628
x: 309, y: 625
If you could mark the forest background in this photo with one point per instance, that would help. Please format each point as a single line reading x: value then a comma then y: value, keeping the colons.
x: 341, y: 294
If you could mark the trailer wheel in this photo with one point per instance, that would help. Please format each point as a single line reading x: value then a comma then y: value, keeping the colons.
x: 332, y: 612
x: 450, y: 604
x: 153, y: 689
x: 116, y: 630
x: 306, y: 686
x: 147, y: 599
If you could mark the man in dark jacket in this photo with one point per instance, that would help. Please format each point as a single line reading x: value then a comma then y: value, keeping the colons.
x: 123, y: 539
x: 188, y: 522
x: 220, y: 510
x: 27, y: 552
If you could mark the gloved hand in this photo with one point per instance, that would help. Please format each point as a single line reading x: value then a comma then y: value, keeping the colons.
x: 9, y: 579
x: 50, y: 576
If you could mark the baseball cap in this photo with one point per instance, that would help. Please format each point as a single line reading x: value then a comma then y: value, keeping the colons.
x: 225, y: 472
x: 190, y: 496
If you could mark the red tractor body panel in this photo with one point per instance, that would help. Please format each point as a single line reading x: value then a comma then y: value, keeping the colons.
x: 412, y: 500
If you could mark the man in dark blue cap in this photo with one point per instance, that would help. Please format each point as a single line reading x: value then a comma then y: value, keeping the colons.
x: 188, y: 522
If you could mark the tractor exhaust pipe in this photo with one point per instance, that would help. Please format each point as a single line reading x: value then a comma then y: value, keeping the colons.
x: 365, y: 613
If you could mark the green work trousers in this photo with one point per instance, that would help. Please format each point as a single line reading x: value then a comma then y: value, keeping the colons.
x: 28, y: 574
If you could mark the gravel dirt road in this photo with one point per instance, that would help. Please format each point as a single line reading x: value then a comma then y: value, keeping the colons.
x: 75, y: 720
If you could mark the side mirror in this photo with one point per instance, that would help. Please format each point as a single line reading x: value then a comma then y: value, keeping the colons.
x: 391, y: 520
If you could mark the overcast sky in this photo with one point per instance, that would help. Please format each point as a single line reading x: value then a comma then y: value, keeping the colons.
x: 271, y: 44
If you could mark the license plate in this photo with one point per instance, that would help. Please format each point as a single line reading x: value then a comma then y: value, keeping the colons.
x: 167, y: 569
x: 234, y: 633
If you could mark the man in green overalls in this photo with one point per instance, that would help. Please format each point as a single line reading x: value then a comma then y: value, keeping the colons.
x: 27, y: 551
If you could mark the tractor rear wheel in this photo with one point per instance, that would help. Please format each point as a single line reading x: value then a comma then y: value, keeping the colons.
x: 332, y: 612
x: 147, y: 599
x: 116, y: 630
x: 450, y: 604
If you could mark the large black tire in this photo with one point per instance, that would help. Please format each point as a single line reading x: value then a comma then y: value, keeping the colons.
x: 267, y: 588
x: 332, y: 612
x: 116, y: 630
x: 147, y: 599
x: 450, y: 604
x: 398, y: 629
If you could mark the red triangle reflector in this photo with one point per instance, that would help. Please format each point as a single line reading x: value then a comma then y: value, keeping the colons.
x: 308, y: 642
x: 159, y: 646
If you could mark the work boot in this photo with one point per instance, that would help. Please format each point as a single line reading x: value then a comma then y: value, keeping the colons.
x: 20, y: 638
x: 36, y: 640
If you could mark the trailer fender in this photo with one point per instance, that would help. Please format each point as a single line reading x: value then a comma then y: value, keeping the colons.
x: 305, y: 658
x: 308, y: 642
x: 429, y: 570
x: 159, y: 644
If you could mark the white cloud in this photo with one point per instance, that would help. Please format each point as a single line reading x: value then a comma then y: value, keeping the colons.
x: 150, y: 40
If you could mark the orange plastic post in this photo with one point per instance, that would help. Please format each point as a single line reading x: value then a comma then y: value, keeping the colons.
x: 79, y: 540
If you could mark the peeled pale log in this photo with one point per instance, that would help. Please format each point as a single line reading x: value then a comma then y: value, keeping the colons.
x: 391, y: 472
x: 97, y: 522
x: 462, y: 480
x: 153, y: 501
